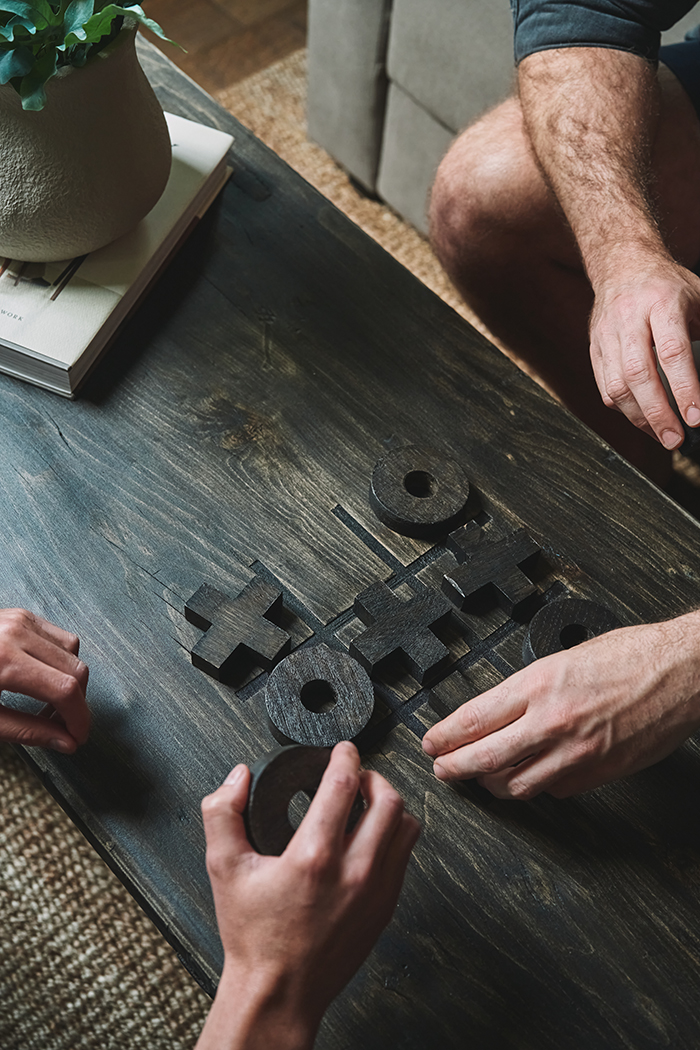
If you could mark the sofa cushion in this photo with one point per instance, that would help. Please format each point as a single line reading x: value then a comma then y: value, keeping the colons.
x: 414, y: 143
x: 347, y: 81
x: 454, y: 57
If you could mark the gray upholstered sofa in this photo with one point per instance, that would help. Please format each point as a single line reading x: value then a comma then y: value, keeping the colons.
x: 391, y: 83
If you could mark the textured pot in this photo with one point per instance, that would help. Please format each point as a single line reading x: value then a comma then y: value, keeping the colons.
x: 86, y: 168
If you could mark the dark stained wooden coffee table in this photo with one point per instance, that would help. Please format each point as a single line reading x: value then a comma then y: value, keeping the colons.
x: 230, y: 435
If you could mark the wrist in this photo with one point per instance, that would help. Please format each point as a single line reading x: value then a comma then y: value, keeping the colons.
x: 626, y: 259
x: 256, y: 1010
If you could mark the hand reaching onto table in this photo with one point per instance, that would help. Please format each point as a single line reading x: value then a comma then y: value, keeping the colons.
x: 580, y: 718
x: 41, y: 660
x: 655, y: 303
x: 295, y: 928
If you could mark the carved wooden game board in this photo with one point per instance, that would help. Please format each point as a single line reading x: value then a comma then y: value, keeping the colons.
x: 228, y: 442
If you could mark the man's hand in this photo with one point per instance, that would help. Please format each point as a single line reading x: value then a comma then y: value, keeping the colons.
x: 655, y: 304
x: 41, y: 660
x: 592, y: 115
x: 295, y: 928
x: 572, y: 721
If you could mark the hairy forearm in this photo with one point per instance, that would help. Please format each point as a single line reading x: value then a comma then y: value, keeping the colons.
x: 591, y: 115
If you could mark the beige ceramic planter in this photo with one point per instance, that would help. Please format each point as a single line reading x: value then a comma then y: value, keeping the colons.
x: 86, y: 168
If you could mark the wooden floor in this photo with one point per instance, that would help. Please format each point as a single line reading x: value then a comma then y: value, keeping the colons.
x: 228, y: 40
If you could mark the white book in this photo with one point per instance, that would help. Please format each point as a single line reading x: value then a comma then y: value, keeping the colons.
x: 57, y: 318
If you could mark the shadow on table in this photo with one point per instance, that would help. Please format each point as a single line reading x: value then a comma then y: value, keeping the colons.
x: 154, y: 312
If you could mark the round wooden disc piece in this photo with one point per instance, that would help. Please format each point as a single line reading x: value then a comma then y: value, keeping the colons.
x: 564, y: 623
x: 419, y: 492
x: 319, y: 696
x: 275, y: 779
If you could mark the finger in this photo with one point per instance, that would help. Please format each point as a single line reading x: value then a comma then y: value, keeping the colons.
x: 613, y: 369
x: 397, y: 857
x: 16, y: 624
x: 401, y: 847
x: 42, y: 648
x: 492, y: 754
x: 640, y: 378
x: 65, y: 639
x: 526, y: 780
x: 64, y: 691
x: 18, y: 727
x: 327, y: 816
x: 675, y: 353
x: 636, y: 415
x: 384, y: 813
x: 224, y: 824
x: 485, y: 714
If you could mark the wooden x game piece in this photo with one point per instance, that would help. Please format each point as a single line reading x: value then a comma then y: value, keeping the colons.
x: 238, y: 630
x: 401, y: 629
x: 491, y: 571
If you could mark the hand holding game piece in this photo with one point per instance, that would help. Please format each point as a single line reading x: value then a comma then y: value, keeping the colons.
x: 41, y: 660
x: 578, y: 718
x: 295, y: 928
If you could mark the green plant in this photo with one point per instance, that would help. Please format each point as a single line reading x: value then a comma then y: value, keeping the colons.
x: 38, y: 38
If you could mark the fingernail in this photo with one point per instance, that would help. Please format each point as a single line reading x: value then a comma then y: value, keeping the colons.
x: 61, y: 745
x: 429, y: 748
x: 669, y: 439
x: 234, y: 776
x: 692, y: 416
x: 439, y: 772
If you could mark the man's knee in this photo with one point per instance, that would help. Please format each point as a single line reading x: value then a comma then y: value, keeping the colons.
x: 486, y: 190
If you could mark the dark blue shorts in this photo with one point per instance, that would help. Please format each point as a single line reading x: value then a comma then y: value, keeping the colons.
x: 684, y: 60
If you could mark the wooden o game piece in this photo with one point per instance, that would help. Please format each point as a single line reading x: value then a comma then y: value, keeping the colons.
x: 275, y: 779
x: 564, y: 623
x: 318, y: 696
x: 419, y: 492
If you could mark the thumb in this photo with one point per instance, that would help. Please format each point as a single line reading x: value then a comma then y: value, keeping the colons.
x: 222, y: 813
x: 17, y: 727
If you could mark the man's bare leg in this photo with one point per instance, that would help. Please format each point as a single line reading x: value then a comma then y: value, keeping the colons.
x: 501, y: 236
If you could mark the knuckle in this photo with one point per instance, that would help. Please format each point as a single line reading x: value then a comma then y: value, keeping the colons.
x: 214, y: 804
x: 393, y: 803
x: 670, y: 350
x: 26, y: 736
x: 218, y: 861
x: 617, y: 390
x: 635, y: 370
x: 522, y: 791
x: 489, y: 760
x: 343, y: 783
x: 317, y: 860
x: 66, y: 688
x: 582, y: 751
x: 15, y: 622
x: 469, y: 720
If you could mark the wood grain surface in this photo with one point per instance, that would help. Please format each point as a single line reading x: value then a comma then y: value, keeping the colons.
x: 230, y: 435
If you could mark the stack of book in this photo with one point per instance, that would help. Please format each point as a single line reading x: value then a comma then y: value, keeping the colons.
x: 57, y: 318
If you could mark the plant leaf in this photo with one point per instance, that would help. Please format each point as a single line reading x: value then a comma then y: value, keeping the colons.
x: 31, y: 86
x: 15, y: 63
x: 77, y: 13
x: 101, y: 22
x: 30, y: 15
x: 17, y: 28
